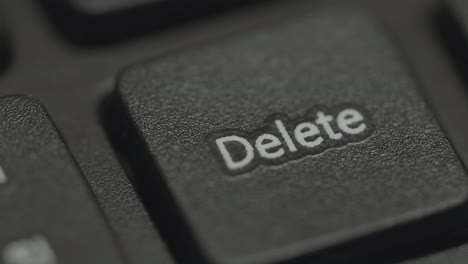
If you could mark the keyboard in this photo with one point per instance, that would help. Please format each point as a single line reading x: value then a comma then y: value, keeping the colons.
x: 233, y: 132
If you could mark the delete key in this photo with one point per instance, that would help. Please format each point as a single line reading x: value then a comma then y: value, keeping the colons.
x: 305, y: 139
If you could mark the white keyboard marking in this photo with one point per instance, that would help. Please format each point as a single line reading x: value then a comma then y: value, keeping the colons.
x: 34, y: 250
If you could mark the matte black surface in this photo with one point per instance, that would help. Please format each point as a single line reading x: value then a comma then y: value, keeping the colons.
x: 45, y: 194
x: 394, y: 188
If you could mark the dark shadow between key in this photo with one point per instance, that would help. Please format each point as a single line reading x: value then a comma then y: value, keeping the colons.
x: 454, y: 39
x: 89, y: 30
x: 143, y: 173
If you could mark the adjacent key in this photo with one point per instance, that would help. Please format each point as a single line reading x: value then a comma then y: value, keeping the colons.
x: 305, y: 140
x: 48, y: 213
x: 90, y: 22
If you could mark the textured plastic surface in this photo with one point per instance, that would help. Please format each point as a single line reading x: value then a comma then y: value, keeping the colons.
x: 452, y: 25
x: 45, y: 194
x: 405, y: 173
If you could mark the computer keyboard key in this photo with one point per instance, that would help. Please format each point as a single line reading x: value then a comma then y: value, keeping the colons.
x: 91, y: 22
x: 306, y: 139
x: 49, y: 214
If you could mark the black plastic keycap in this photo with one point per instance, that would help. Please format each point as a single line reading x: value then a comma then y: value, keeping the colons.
x: 49, y: 214
x: 91, y: 22
x: 303, y: 139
